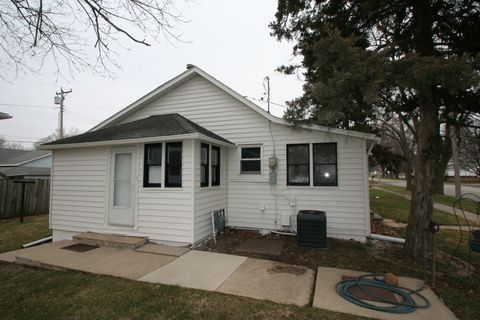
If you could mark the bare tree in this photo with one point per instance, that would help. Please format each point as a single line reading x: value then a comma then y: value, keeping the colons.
x: 33, y: 32
x: 470, y: 149
x: 398, y: 133
x: 56, y: 135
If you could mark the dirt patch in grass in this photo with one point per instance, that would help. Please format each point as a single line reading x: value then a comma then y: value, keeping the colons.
x: 460, y: 293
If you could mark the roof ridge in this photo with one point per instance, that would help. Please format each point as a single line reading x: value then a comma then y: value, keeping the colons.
x: 183, y: 122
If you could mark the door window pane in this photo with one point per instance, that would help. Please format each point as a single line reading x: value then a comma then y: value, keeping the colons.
x: 121, y: 193
x: 123, y: 165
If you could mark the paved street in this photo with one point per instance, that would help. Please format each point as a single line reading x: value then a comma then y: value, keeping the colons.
x: 449, y: 188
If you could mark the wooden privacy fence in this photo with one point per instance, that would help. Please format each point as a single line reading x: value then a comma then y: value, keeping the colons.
x: 37, y: 198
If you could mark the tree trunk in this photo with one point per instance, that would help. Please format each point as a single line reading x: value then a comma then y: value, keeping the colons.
x: 408, y: 174
x: 456, y: 161
x: 445, y: 156
x: 426, y: 166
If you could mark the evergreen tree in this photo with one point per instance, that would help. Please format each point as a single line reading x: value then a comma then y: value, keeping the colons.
x: 359, y: 56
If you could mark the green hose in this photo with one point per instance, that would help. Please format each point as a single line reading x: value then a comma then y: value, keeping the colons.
x: 406, y: 305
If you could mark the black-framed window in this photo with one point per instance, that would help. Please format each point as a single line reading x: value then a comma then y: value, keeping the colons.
x: 152, y: 170
x: 173, y: 164
x: 215, y: 166
x: 298, y: 164
x: 204, y: 164
x: 325, y: 164
x: 251, y: 161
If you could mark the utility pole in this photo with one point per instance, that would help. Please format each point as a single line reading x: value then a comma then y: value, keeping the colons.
x: 59, y: 99
x: 267, y: 80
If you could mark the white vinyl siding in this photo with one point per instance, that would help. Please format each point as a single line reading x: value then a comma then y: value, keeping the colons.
x: 210, y: 198
x: 184, y: 214
x: 79, y: 197
x: 209, y: 106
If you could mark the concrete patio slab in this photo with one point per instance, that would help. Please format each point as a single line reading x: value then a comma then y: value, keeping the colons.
x: 117, y: 262
x: 163, y: 250
x: 197, y: 269
x: 52, y: 256
x: 325, y: 297
x: 11, y: 255
x: 130, y: 264
x: 269, y: 280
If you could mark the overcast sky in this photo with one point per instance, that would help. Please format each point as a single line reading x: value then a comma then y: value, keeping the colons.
x: 228, y: 39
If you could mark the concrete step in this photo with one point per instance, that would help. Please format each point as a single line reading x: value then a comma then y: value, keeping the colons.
x: 110, y: 240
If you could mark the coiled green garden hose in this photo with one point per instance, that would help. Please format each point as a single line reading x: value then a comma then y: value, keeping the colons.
x: 406, y: 305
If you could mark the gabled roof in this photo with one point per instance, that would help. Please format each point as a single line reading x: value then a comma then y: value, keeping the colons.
x: 4, y: 116
x: 193, y: 71
x: 13, y: 157
x: 151, y: 127
x: 23, y: 171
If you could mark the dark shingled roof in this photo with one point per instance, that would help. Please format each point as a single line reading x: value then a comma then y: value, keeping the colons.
x: 23, y: 171
x: 153, y: 126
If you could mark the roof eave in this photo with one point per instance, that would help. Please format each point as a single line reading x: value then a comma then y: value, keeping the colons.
x: 138, y: 140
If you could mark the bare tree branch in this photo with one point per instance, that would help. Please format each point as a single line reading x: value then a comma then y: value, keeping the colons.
x: 34, y: 32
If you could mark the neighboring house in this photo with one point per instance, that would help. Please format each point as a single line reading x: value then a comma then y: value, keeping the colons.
x: 25, y: 164
x: 159, y: 167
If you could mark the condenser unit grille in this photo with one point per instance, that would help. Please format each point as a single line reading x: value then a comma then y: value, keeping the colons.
x: 312, y: 229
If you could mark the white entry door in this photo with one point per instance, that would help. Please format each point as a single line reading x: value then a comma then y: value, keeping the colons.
x: 122, y: 187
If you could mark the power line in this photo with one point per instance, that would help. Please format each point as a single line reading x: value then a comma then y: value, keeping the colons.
x: 271, y: 102
x: 21, y: 141
x: 25, y: 105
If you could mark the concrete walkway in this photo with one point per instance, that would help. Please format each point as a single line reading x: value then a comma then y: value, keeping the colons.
x: 327, y: 279
x: 470, y: 216
x: 230, y: 274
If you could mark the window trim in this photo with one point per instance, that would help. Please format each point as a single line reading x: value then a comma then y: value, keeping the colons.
x: 306, y: 184
x: 251, y: 159
x: 207, y: 166
x: 169, y: 184
x: 146, y: 183
x: 217, y: 168
x: 335, y: 184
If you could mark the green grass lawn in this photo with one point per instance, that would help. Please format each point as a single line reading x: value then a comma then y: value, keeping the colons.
x: 467, y: 205
x: 31, y: 293
x: 13, y: 233
x: 28, y: 293
x: 395, y: 207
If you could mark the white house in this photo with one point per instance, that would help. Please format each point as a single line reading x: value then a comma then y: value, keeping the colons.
x: 160, y: 166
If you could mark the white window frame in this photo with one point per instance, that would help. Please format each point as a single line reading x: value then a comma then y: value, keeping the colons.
x: 251, y: 159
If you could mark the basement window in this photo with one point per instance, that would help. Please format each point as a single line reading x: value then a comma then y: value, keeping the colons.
x: 251, y: 160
